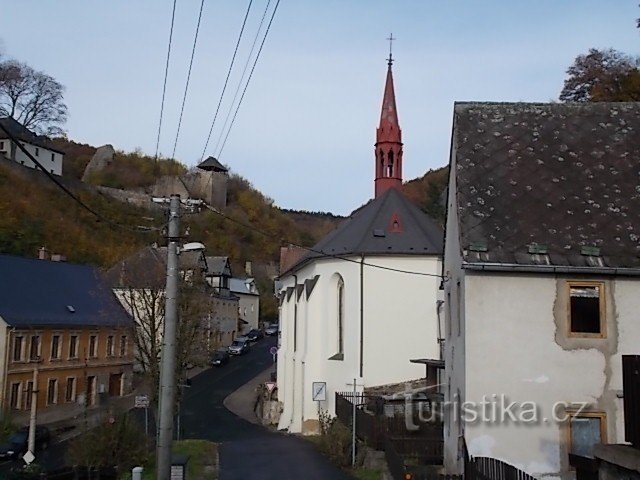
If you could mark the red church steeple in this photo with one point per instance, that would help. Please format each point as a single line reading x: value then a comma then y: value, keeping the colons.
x: 388, y: 147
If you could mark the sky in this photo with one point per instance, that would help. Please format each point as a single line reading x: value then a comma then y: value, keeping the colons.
x: 305, y: 131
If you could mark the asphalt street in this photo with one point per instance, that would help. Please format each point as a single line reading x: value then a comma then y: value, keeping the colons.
x: 248, y: 451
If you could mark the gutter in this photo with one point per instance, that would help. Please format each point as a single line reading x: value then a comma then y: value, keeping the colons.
x: 515, y: 267
x: 361, y: 315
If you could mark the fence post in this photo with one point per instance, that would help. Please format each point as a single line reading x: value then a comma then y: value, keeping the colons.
x: 136, y: 473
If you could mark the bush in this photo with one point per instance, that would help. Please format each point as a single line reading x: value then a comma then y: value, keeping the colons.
x: 335, y: 440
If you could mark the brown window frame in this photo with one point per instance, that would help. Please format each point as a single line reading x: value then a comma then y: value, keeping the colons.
x: 602, y: 309
x: 602, y: 415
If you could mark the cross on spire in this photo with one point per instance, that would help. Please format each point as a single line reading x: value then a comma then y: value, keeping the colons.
x: 391, y: 38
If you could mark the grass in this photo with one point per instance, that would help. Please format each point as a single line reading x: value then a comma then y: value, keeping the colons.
x: 201, y: 454
x: 362, y: 473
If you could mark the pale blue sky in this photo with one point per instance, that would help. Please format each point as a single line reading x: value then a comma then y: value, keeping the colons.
x: 305, y: 132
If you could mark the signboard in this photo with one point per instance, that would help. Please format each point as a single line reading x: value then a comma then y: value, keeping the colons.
x: 28, y: 457
x: 319, y: 391
x: 141, y: 401
x: 273, y: 350
x: 270, y: 386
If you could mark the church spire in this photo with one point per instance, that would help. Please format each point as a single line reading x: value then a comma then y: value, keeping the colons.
x: 388, y: 147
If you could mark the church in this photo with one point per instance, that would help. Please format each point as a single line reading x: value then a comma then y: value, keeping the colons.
x: 363, y: 301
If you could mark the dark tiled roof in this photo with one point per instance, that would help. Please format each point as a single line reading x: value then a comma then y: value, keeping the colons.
x: 543, y: 184
x: 387, y: 225
x: 218, y: 266
x: 17, y: 130
x: 212, y: 163
x: 38, y: 293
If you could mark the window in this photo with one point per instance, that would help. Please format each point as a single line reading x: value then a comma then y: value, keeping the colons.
x: 28, y: 394
x: 55, y: 347
x: 123, y: 345
x: 73, y: 346
x: 53, y: 157
x: 17, y: 348
x: 52, y: 391
x: 70, y: 390
x: 34, y: 347
x: 340, y: 316
x: 110, y: 346
x: 93, y: 346
x: 1, y: 145
x: 15, y: 396
x: 586, y: 309
x: 585, y: 431
x: 390, y: 164
x: 37, y: 152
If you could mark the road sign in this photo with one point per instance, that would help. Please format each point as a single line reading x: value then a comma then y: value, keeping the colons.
x: 273, y: 350
x: 28, y: 457
x: 141, y: 401
x: 319, y: 391
x: 270, y: 386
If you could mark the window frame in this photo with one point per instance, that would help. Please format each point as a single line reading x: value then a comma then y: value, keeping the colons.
x: 74, y: 392
x: 18, y: 390
x: 111, y: 346
x: 77, y: 340
x: 92, y: 348
x: 38, y: 352
x: 602, y: 308
x: 602, y: 415
x: 59, y: 346
x: 55, y: 390
x: 123, y: 345
x: 20, y: 337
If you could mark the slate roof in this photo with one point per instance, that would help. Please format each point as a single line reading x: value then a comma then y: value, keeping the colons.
x: 239, y: 285
x: 212, y: 163
x: 387, y: 225
x: 218, y: 266
x: 38, y: 292
x: 21, y: 133
x: 564, y: 177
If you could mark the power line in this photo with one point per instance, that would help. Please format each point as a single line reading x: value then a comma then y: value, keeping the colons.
x: 244, y: 71
x: 249, y: 79
x: 226, y: 80
x: 64, y: 188
x: 166, y: 74
x: 318, y: 252
x: 186, y: 87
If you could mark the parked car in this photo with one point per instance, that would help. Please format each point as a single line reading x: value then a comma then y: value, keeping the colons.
x: 271, y: 330
x: 17, y: 444
x: 240, y: 346
x: 254, y: 335
x: 219, y: 358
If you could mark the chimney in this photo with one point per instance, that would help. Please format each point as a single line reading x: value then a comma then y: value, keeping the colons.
x: 43, y: 254
x: 248, y: 269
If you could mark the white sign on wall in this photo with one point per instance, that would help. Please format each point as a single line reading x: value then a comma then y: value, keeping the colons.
x: 319, y: 391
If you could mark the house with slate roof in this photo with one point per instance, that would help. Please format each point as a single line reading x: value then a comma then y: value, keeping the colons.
x: 248, y: 302
x: 40, y: 147
x: 65, y: 319
x: 542, y: 259
x: 362, y: 303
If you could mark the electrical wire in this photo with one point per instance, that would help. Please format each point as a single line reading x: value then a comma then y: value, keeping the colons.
x: 166, y: 74
x: 50, y: 176
x: 320, y: 253
x: 244, y: 71
x: 226, y: 80
x: 186, y: 87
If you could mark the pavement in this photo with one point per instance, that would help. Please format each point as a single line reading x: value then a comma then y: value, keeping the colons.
x: 248, y: 451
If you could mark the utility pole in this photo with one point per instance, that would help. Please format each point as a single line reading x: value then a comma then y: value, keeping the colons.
x: 167, y: 393
x: 34, y: 408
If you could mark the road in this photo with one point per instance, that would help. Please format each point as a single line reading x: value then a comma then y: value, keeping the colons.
x: 248, y: 451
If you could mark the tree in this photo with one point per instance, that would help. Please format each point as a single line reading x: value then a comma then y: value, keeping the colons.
x: 33, y: 98
x: 602, y: 76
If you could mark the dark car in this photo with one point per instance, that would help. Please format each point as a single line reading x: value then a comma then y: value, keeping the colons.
x: 17, y: 443
x: 220, y: 358
x: 239, y: 346
x: 255, y: 335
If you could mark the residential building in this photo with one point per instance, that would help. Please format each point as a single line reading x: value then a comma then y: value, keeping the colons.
x: 362, y: 302
x: 248, y: 302
x: 225, y: 318
x: 541, y: 280
x: 63, y: 320
x: 39, y: 147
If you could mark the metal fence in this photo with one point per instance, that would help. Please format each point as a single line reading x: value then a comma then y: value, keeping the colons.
x: 484, y: 468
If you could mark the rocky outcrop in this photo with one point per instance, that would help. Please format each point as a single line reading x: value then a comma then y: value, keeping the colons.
x: 101, y: 159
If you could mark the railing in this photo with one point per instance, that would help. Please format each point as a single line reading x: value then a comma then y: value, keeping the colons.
x: 484, y: 468
x: 631, y: 389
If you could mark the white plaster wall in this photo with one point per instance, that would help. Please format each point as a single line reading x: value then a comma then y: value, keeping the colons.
x: 400, y: 323
x: 249, y: 307
x: 50, y: 160
x: 516, y: 347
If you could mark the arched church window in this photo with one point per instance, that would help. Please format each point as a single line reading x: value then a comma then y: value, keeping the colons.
x: 381, y: 164
x: 340, y: 313
x: 390, y: 164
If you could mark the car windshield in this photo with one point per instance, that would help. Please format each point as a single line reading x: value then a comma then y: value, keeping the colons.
x: 18, y: 438
x: 236, y: 343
